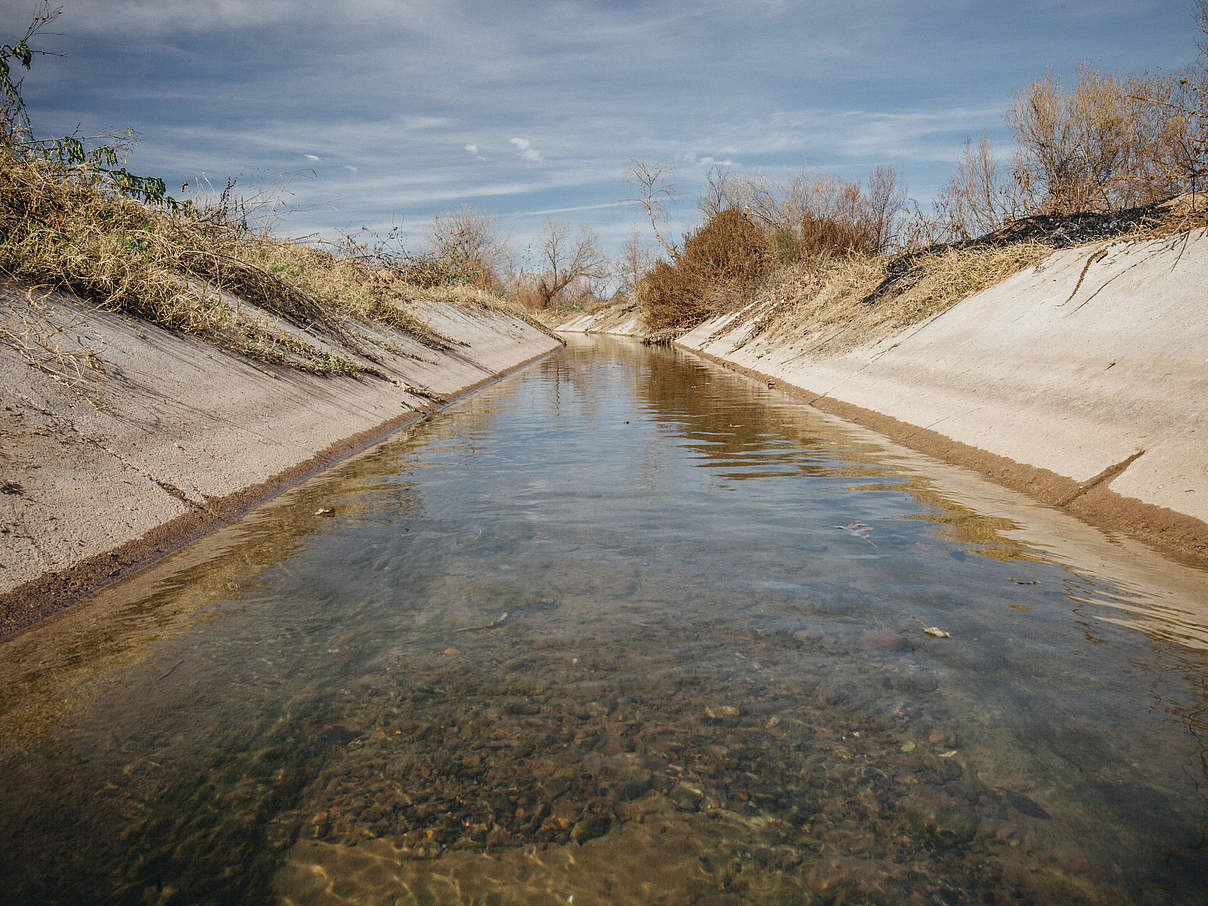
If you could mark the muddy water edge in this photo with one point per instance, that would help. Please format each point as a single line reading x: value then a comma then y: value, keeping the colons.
x: 623, y: 627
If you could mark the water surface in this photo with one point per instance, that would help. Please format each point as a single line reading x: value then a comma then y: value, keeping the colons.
x: 621, y: 628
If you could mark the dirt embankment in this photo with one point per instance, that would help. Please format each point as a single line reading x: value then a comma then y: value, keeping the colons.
x: 120, y: 441
x: 1081, y: 381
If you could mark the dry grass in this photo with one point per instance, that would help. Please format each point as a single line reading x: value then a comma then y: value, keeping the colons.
x: 201, y: 272
x: 48, y: 341
x: 823, y: 302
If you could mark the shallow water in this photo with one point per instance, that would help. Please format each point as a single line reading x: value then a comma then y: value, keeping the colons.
x: 621, y: 628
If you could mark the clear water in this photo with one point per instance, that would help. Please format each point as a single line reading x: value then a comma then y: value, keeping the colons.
x: 621, y: 628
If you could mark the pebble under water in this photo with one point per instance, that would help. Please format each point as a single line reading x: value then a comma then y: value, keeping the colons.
x: 623, y: 627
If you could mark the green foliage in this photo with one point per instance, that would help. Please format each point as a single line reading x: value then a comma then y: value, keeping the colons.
x: 98, y: 165
x: 23, y: 55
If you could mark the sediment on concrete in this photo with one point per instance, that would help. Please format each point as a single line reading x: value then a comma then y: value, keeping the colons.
x: 166, y: 437
x: 1081, y: 382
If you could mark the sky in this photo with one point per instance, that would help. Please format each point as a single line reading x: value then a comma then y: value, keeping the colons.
x: 337, y: 116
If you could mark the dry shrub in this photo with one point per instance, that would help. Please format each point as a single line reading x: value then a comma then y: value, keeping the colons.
x: 979, y: 198
x: 467, y: 247
x: 719, y: 263
x: 821, y: 214
x: 1079, y: 149
x: 672, y: 296
x: 728, y: 249
x: 1105, y: 144
x: 823, y: 236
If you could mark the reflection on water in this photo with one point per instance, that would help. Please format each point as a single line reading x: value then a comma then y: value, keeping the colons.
x: 628, y: 628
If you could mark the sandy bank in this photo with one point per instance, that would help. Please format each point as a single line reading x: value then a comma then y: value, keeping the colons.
x: 1083, y: 381
x: 106, y: 471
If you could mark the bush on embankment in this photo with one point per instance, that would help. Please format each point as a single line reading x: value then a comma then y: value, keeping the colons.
x: 721, y: 263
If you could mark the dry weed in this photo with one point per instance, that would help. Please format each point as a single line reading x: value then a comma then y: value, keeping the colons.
x: 202, y: 273
x: 823, y: 302
x: 47, y: 341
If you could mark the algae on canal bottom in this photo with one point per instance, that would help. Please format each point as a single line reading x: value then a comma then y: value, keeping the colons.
x: 711, y: 683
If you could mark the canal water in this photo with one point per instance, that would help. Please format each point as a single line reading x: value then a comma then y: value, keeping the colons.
x: 623, y: 627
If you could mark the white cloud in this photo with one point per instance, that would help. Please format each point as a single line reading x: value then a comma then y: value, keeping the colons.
x: 351, y: 169
x: 472, y: 148
x: 708, y: 160
x: 313, y: 157
x: 526, y: 149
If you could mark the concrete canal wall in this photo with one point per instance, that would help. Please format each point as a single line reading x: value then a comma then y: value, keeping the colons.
x: 135, y: 438
x: 1083, y: 382
x: 620, y: 322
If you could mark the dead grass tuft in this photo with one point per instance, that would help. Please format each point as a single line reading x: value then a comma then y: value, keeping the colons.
x: 823, y: 302
x: 49, y: 342
x: 204, y: 273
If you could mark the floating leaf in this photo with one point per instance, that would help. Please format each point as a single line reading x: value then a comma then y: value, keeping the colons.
x: 933, y: 630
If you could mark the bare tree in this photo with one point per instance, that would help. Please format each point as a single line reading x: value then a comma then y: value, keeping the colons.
x: 718, y: 194
x: 655, y: 189
x: 471, y: 241
x: 567, y: 260
x: 634, y: 261
x: 884, y: 200
x: 979, y: 198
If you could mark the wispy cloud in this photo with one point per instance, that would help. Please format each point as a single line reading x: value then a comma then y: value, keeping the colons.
x: 574, y: 208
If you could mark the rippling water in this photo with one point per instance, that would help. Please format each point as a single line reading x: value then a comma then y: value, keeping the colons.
x: 621, y: 628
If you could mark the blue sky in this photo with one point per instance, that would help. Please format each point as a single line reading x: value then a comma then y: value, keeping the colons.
x: 377, y: 112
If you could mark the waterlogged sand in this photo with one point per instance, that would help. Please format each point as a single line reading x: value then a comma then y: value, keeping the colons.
x: 174, y: 435
x: 1082, y: 381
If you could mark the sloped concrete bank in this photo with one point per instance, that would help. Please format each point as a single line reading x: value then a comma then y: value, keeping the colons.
x: 134, y: 440
x: 1083, y: 382
x: 623, y: 321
